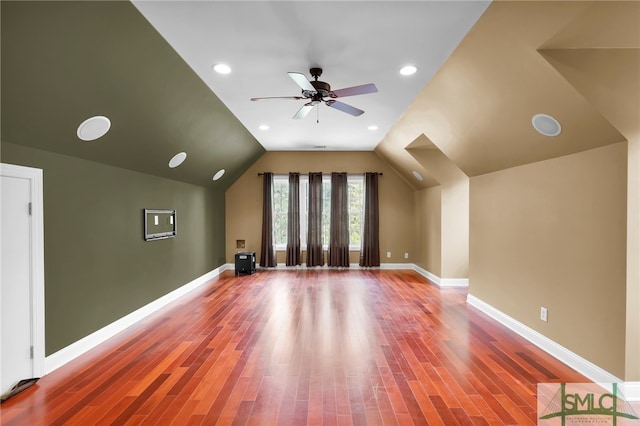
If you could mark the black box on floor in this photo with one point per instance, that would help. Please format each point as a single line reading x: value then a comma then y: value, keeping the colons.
x: 245, y: 262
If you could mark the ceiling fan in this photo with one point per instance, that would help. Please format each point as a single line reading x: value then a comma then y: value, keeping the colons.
x: 316, y: 91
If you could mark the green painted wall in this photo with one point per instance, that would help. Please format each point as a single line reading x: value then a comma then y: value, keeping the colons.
x: 98, y: 267
x: 65, y: 61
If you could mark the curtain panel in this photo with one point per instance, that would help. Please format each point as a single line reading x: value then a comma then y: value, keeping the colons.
x: 315, y: 255
x: 294, y: 256
x: 370, y: 250
x: 339, y: 222
x: 267, y: 250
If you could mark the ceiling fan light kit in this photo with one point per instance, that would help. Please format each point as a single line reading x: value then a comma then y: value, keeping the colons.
x: 316, y: 91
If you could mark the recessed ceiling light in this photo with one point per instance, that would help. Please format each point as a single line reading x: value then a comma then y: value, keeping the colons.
x: 222, y: 68
x: 263, y: 127
x: 417, y: 175
x: 93, y: 128
x: 408, y: 70
x: 373, y: 127
x: 177, y: 159
x: 218, y: 174
x: 546, y: 125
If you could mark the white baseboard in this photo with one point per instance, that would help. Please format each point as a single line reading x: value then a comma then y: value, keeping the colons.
x: 454, y: 282
x: 441, y: 282
x: 397, y: 266
x: 74, y: 350
x: 351, y: 266
x: 631, y: 390
x: 428, y: 275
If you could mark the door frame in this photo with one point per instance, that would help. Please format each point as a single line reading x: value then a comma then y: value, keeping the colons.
x: 37, y: 259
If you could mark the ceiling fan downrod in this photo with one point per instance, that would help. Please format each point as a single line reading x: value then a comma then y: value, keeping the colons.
x: 315, y: 72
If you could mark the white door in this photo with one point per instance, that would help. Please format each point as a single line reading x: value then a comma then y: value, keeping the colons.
x: 19, y: 280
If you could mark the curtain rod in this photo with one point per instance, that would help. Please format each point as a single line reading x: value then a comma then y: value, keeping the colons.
x: 378, y: 173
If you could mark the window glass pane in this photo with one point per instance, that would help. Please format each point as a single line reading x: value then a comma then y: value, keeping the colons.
x: 280, y: 229
x: 304, y: 206
x: 355, y: 226
x: 326, y: 209
x: 280, y: 196
x: 356, y: 209
x: 280, y: 209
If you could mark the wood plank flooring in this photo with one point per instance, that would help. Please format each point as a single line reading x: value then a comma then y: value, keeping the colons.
x: 302, y: 347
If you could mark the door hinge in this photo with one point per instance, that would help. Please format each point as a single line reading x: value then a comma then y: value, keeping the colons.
x: 30, y: 209
x: 31, y: 352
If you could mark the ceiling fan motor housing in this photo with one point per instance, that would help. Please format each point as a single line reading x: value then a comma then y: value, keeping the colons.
x: 322, y: 89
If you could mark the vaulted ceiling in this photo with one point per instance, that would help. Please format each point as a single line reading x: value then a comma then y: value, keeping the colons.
x: 354, y: 42
x: 577, y: 61
x: 483, y: 72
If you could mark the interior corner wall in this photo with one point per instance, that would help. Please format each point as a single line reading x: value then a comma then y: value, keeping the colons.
x: 396, y: 203
x: 553, y: 234
x: 98, y: 267
x: 455, y: 229
x: 454, y: 215
x: 428, y: 229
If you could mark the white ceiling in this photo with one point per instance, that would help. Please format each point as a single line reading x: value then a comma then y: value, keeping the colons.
x: 355, y: 42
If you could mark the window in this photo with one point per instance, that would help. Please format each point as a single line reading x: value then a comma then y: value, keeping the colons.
x: 280, y: 211
x: 356, y: 210
x: 326, y: 210
x: 281, y: 205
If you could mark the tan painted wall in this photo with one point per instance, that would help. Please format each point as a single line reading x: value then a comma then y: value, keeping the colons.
x: 455, y: 229
x: 244, y: 200
x: 553, y: 234
x: 607, y: 77
x: 428, y: 229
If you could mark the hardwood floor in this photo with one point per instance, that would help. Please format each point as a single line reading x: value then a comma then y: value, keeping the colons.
x: 302, y: 347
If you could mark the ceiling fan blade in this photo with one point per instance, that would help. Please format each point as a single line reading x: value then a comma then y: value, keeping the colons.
x: 355, y: 90
x: 278, y: 97
x: 345, y: 108
x: 302, y: 81
x: 302, y: 112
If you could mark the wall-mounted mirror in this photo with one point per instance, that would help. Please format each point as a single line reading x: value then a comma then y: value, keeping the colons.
x: 159, y: 224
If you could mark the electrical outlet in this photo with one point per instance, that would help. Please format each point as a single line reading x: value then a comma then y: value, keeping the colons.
x: 543, y: 314
x: 406, y: 255
x: 388, y: 254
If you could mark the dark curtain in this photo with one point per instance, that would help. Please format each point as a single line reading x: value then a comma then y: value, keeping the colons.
x: 370, y: 251
x: 315, y: 256
x: 294, y: 256
x: 339, y: 223
x: 267, y: 253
